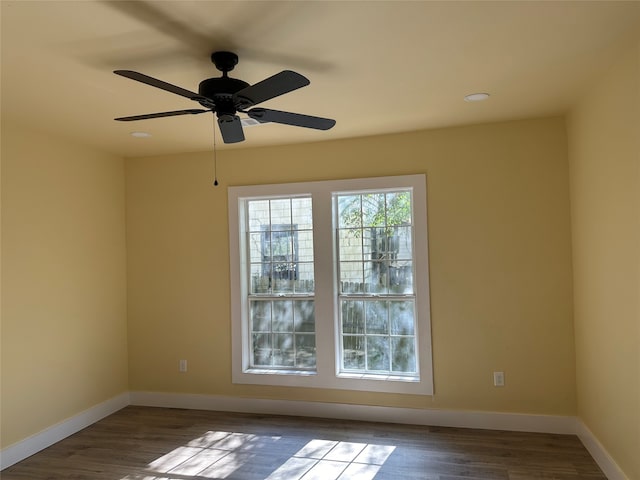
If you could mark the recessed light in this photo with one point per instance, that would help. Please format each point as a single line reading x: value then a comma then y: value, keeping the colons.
x: 476, y: 97
x: 140, y: 134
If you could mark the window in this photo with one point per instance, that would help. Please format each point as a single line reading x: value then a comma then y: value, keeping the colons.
x: 330, y: 284
x: 280, y: 296
x: 375, y: 289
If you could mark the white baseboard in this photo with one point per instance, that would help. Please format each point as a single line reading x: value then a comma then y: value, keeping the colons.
x: 444, y: 418
x: 33, y: 444
x: 599, y: 453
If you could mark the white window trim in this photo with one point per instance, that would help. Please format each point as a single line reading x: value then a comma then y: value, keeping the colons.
x: 326, y: 300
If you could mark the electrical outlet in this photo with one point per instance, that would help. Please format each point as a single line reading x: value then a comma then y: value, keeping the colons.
x: 182, y: 367
x: 498, y: 379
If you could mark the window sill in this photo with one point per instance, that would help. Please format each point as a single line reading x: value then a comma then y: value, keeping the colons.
x: 266, y: 371
x: 329, y: 380
x: 383, y: 378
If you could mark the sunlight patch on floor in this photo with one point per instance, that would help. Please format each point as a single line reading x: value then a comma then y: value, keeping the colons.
x: 330, y: 460
x: 217, y: 455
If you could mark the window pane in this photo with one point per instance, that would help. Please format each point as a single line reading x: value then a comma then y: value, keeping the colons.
x: 261, y: 316
x: 402, y: 318
x: 380, y: 247
x: 305, y: 350
x: 368, y: 246
x: 373, y: 210
x: 351, y: 280
x: 401, y: 277
x: 353, y: 352
x: 376, y: 277
x: 304, y: 283
x: 282, y: 316
x: 282, y: 245
x: 349, y: 212
x: 378, y: 353
x: 283, y: 274
x: 283, y: 351
x: 302, y: 213
x: 402, y: 243
x: 258, y: 215
x: 377, y: 317
x: 262, y: 349
x: 404, y: 354
x: 260, y: 278
x: 398, y: 208
x: 280, y: 213
x: 284, y: 270
x: 256, y: 247
x: 304, y: 316
x: 352, y: 316
x: 304, y: 248
x: 350, y: 244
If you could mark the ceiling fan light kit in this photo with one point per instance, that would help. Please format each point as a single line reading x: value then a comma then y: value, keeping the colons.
x: 226, y: 96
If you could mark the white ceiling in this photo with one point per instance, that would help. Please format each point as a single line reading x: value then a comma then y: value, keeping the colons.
x: 376, y: 67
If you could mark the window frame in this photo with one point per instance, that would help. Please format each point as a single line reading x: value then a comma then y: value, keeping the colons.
x: 327, y: 373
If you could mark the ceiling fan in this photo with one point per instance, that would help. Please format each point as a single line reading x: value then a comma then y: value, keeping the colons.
x: 226, y: 96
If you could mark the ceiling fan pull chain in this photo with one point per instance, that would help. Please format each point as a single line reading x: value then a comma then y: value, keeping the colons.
x: 215, y: 158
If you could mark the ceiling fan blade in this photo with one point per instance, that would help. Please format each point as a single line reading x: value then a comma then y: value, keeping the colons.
x: 288, y: 118
x: 154, y: 82
x: 231, y: 128
x: 193, y: 111
x: 278, y: 84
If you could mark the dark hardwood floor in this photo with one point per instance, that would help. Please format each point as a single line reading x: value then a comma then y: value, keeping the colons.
x: 142, y: 443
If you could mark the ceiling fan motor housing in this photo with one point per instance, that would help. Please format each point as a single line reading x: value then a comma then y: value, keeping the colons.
x: 221, y: 90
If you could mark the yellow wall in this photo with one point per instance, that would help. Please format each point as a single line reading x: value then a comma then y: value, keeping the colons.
x: 500, y: 253
x: 64, y: 342
x: 604, y: 153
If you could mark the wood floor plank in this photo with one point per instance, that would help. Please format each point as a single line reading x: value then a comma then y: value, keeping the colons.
x: 145, y: 443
